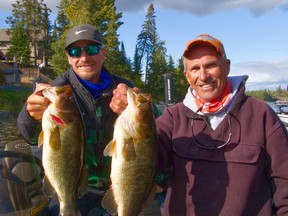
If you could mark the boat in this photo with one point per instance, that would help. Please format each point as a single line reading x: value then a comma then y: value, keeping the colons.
x: 284, y: 118
x: 282, y: 111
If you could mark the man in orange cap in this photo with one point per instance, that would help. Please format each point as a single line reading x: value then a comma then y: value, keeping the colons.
x: 228, y: 152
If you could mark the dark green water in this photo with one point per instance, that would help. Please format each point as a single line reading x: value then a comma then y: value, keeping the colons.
x: 8, y: 128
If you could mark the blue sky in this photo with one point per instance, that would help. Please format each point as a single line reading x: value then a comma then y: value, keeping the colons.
x: 254, y: 32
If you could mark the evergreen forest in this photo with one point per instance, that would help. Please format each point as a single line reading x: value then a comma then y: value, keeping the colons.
x: 31, y: 31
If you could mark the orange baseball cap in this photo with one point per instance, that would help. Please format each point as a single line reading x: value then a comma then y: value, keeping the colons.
x: 205, y: 39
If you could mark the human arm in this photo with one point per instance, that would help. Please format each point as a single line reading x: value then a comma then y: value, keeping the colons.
x: 164, y: 129
x: 277, y: 160
x: 28, y: 121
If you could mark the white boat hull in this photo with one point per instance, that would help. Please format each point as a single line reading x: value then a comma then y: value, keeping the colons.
x: 284, y: 118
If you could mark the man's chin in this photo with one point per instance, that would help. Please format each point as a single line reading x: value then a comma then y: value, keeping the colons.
x: 85, y: 75
x: 207, y: 96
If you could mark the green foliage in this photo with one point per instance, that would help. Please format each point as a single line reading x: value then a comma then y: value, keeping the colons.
x: 158, y: 67
x: 145, y: 70
x: 60, y: 25
x: 147, y: 43
x: 180, y: 84
x: 20, y: 44
x: 45, y: 44
x: 267, y: 95
x: 281, y: 93
x: 13, y: 100
x: 113, y: 61
x: 32, y: 16
x: 58, y: 60
x: 123, y: 68
x: 263, y: 95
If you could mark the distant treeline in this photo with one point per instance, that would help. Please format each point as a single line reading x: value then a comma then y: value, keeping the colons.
x: 267, y: 95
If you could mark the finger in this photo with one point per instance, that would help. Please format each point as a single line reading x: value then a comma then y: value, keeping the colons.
x: 39, y: 100
x: 37, y: 106
x: 122, y: 87
x: 120, y: 95
x: 35, y: 111
x: 117, y: 105
x: 137, y: 90
x: 37, y: 103
x: 36, y: 115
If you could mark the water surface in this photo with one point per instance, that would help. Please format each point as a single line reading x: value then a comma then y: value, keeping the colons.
x: 8, y: 128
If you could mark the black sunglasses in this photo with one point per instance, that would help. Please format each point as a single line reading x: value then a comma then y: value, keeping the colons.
x: 90, y: 50
x: 201, y: 145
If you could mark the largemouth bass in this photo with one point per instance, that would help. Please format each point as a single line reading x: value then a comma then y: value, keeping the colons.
x: 133, y: 152
x: 63, y: 139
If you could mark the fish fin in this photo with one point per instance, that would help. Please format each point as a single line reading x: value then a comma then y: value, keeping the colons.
x: 41, y: 139
x: 109, y: 204
x: 128, y: 151
x: 55, y: 140
x: 110, y: 148
x: 47, y: 187
x: 83, y: 183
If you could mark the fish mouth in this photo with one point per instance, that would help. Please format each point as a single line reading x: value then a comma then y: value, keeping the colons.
x: 52, y: 91
x: 138, y: 103
x: 135, y: 98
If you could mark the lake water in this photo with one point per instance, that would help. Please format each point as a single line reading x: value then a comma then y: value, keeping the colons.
x: 8, y: 128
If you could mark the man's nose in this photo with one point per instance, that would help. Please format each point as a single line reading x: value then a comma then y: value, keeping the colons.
x: 83, y: 54
x: 203, y: 73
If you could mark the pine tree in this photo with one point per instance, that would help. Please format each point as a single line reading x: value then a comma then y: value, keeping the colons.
x: 59, y: 59
x: 99, y: 13
x: 136, y: 66
x: 61, y: 23
x: 112, y: 61
x: 45, y: 44
x: 146, y: 42
x: 179, y: 82
x: 20, y: 45
x: 34, y: 16
x: 125, y: 69
x: 158, y: 67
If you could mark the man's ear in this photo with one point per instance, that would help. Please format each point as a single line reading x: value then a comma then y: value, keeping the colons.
x: 186, y: 76
x: 104, y: 52
x: 185, y: 73
x: 227, y: 66
x: 68, y: 59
